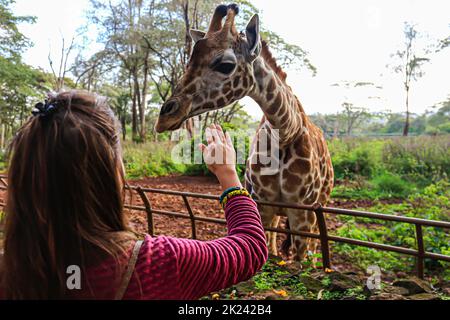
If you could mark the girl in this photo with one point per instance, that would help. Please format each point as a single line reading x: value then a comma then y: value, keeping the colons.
x: 64, y: 212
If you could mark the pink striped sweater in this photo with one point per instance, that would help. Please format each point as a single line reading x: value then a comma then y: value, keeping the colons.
x: 171, y: 268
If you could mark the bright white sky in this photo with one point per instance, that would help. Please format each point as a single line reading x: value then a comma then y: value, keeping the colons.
x: 348, y: 40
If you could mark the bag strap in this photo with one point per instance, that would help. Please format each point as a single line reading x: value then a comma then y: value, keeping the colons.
x: 129, y: 271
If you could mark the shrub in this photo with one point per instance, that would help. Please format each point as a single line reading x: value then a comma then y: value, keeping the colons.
x: 391, y: 184
x: 355, y: 157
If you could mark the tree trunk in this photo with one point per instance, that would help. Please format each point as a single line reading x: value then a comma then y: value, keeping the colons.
x: 2, y: 137
x: 406, y: 128
x: 133, y: 112
x: 124, y: 127
x: 143, y: 105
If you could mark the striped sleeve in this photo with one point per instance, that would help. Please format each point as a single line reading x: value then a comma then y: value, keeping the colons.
x: 204, y: 267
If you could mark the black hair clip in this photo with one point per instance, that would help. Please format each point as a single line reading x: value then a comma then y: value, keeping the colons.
x: 44, y: 109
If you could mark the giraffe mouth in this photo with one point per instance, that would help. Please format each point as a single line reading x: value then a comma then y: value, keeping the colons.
x: 175, y: 126
x: 161, y: 127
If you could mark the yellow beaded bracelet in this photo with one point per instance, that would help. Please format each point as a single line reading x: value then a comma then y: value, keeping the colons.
x: 240, y: 192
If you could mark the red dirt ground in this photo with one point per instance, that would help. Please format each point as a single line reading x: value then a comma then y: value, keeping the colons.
x: 170, y: 226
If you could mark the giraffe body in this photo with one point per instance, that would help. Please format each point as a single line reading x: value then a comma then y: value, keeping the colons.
x: 226, y: 66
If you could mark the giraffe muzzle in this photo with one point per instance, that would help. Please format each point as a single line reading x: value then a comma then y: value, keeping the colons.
x: 170, y: 118
x: 169, y: 108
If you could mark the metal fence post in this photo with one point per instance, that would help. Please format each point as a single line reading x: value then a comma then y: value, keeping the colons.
x: 421, y: 251
x: 323, y: 232
x: 148, y: 209
x: 192, y: 217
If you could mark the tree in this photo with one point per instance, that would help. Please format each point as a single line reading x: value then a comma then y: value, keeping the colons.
x: 353, y: 116
x: 20, y: 84
x: 410, y: 65
x: 12, y: 41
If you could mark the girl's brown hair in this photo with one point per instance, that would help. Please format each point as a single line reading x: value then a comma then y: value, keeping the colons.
x: 65, y: 196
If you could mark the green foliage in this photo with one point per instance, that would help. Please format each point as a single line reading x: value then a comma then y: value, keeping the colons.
x: 432, y: 203
x: 12, y: 41
x: 388, y: 168
x: 147, y: 160
x: 391, y: 184
x: 355, y: 157
x: 420, y: 160
x: 274, y: 277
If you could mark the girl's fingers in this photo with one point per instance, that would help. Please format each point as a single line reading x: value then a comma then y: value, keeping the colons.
x: 228, y: 139
x: 216, y: 136
x: 202, y: 147
x: 220, y: 132
x: 209, y: 136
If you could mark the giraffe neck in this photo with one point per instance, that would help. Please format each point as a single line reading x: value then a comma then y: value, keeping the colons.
x: 280, y: 106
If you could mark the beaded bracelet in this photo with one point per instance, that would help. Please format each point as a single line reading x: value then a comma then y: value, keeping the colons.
x: 227, y: 191
x: 228, y: 194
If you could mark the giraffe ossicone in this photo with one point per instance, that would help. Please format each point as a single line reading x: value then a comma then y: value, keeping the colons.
x: 226, y: 66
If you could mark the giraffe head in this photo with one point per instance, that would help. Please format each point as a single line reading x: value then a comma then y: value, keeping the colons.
x: 219, y: 71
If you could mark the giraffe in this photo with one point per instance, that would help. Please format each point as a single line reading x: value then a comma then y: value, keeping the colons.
x: 226, y: 66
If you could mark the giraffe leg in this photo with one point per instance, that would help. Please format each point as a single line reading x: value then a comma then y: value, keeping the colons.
x: 300, y: 220
x: 273, y: 239
x: 312, y: 247
x: 270, y: 220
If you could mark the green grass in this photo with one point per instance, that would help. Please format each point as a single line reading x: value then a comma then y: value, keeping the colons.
x: 150, y: 160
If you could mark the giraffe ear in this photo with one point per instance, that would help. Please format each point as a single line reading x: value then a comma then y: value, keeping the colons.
x: 253, y: 36
x: 197, y: 35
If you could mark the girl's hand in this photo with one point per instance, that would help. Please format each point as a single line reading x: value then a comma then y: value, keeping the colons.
x: 220, y: 156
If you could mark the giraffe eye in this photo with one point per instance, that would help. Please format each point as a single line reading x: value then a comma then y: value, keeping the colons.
x: 224, y: 68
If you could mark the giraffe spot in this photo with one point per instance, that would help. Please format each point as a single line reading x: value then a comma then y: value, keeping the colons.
x: 236, y: 81
x: 317, y: 183
x: 269, y: 96
x: 221, y: 102
x: 209, y: 105
x: 238, y: 92
x: 287, y: 154
x: 198, y: 100
x: 302, y: 192
x: 275, y: 105
x: 302, y: 146
x: 300, y: 166
x: 267, y: 180
x: 245, y: 82
x: 271, y: 86
x: 320, y: 148
x: 213, y: 94
x: 292, y: 182
x: 191, y: 89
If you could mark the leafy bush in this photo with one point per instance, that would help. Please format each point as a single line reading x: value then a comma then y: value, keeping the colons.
x: 420, y: 160
x: 355, y: 157
x: 391, y: 184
